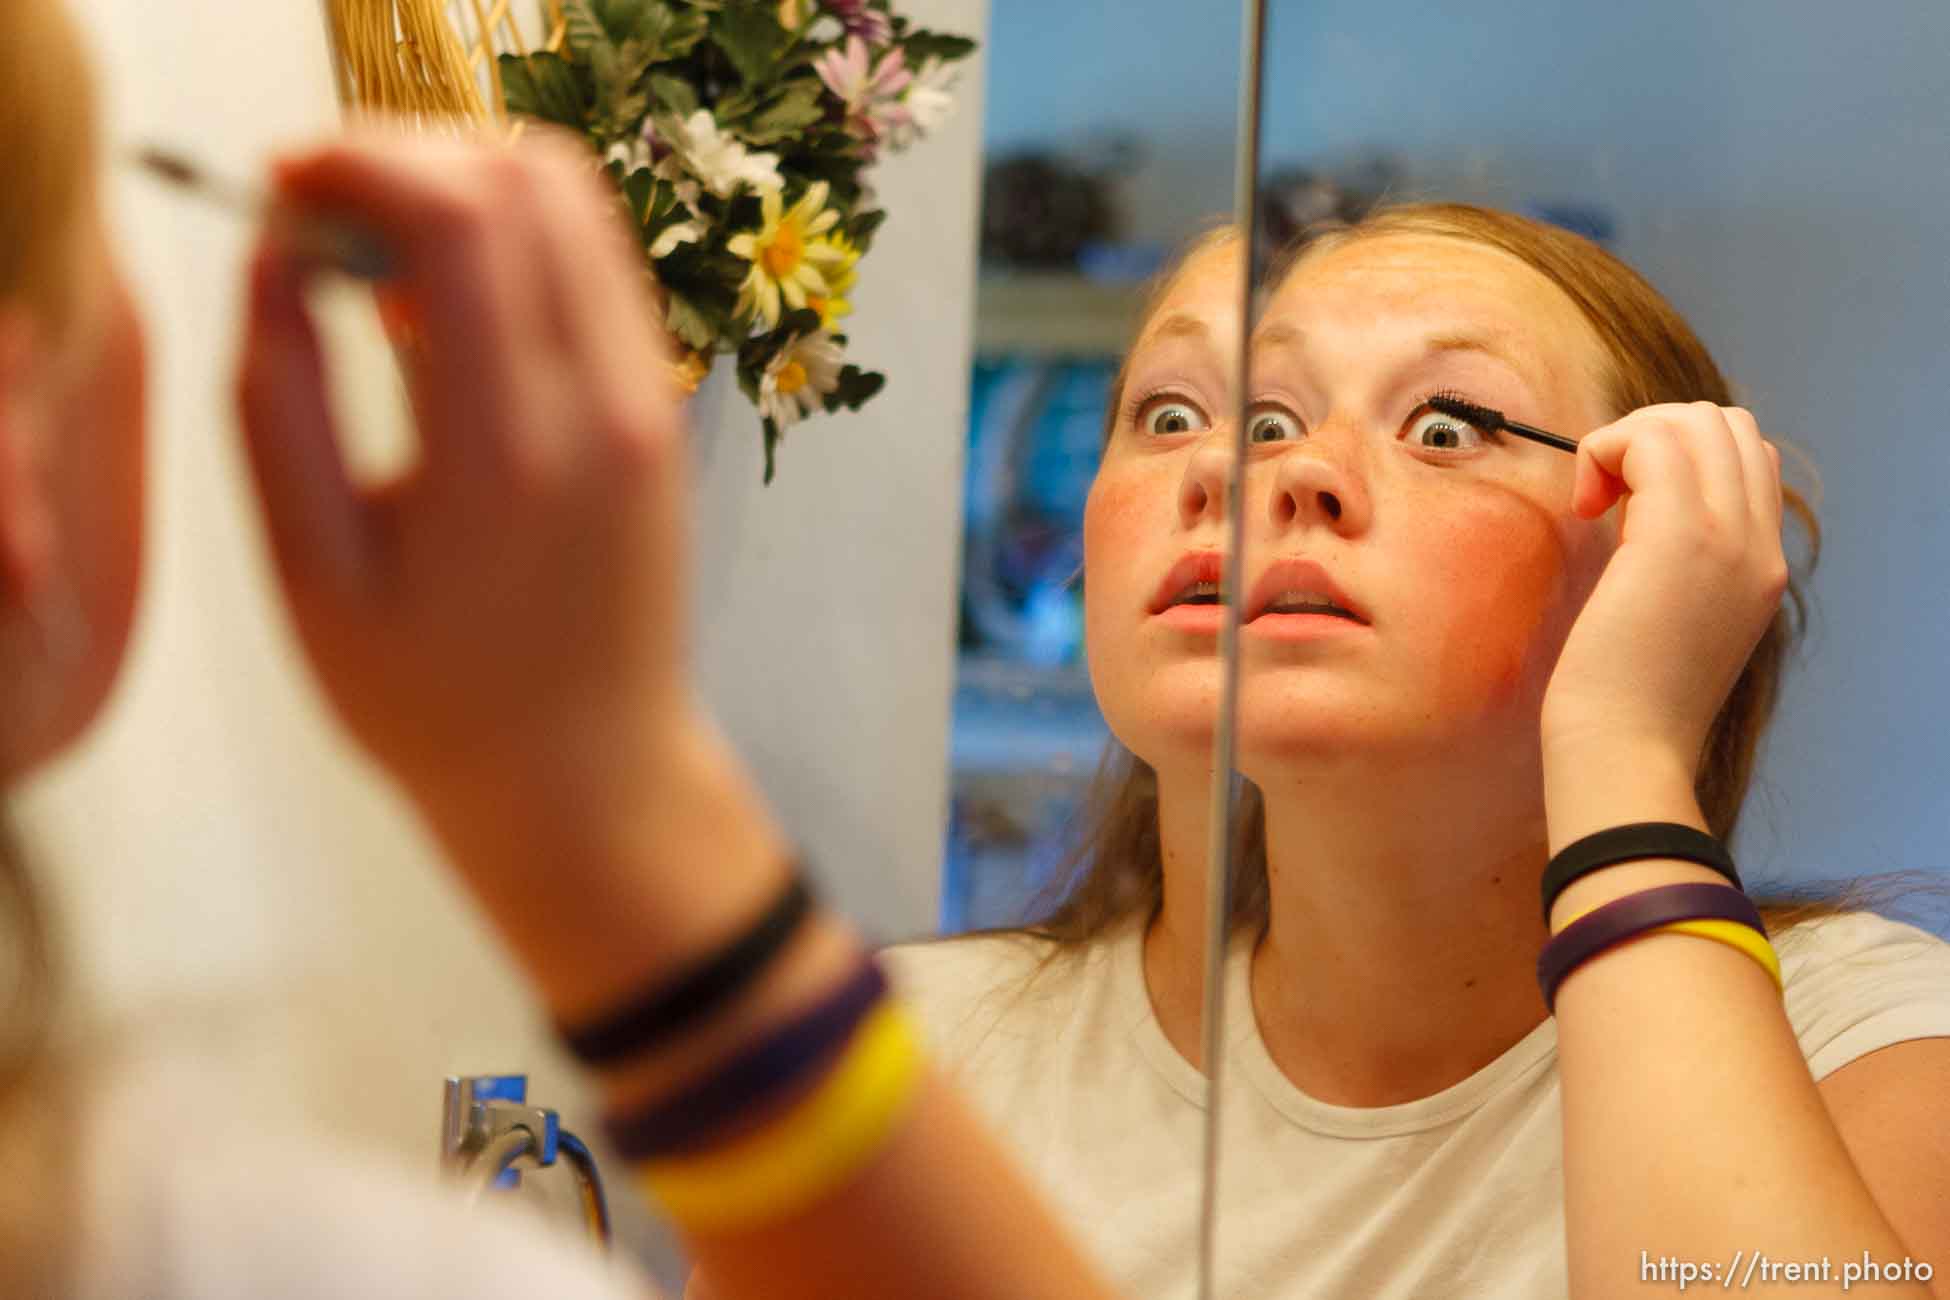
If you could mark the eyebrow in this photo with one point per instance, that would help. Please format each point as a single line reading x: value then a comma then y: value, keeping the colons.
x: 1285, y: 334
x: 1178, y: 325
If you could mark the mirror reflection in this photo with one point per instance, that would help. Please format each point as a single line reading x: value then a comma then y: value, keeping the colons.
x: 1469, y: 648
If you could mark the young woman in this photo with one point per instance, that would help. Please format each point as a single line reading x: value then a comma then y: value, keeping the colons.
x: 500, y: 627
x: 1463, y: 652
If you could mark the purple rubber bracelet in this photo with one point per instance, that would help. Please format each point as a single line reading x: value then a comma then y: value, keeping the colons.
x: 694, y: 1117
x: 1633, y: 915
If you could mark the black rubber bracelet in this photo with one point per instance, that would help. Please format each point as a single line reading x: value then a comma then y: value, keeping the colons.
x: 1629, y: 844
x: 779, y: 1063
x: 648, y: 1023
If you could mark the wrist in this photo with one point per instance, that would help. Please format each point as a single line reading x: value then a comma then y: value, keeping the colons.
x: 1591, y: 785
x: 602, y: 886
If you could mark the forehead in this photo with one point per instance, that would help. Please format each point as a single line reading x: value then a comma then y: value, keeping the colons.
x: 1205, y: 291
x: 1424, y: 284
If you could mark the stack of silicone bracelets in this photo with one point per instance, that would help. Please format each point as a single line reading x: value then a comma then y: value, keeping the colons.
x: 1722, y: 913
x: 833, y: 1083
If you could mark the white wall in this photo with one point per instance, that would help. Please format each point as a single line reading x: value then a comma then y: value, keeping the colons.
x: 1776, y: 168
x: 233, y: 876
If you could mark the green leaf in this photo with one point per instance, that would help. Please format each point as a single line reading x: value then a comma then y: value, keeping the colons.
x: 670, y: 33
x: 543, y: 85
x: 748, y: 32
x: 665, y: 30
x: 620, y: 101
x: 922, y: 46
x: 693, y: 327
x: 639, y: 187
x: 709, y: 277
x: 841, y: 174
x: 795, y: 324
x: 699, y: 267
x: 856, y: 388
x: 784, y: 114
x: 583, y: 27
x: 859, y: 229
x: 672, y: 95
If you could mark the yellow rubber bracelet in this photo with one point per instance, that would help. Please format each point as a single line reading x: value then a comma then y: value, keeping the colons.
x: 812, y: 1149
x: 1734, y: 935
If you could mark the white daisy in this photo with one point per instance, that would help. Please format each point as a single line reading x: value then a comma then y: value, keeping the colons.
x: 928, y: 102
x: 798, y: 379
x: 718, y: 159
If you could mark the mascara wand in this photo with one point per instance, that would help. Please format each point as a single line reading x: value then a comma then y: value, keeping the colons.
x: 1485, y: 418
x: 334, y: 243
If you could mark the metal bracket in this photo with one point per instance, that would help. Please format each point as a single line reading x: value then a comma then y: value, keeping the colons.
x: 478, y: 1109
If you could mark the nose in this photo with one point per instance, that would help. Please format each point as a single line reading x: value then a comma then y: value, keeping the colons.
x: 1313, y: 486
x: 1202, y: 493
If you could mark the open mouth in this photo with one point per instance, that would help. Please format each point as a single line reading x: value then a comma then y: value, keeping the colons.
x: 1197, y: 593
x: 1301, y: 602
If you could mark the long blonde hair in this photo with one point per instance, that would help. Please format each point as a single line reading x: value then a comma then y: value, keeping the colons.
x: 48, y: 159
x: 1114, y: 873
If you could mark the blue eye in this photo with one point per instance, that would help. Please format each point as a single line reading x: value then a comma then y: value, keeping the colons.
x: 1443, y: 434
x: 1270, y: 424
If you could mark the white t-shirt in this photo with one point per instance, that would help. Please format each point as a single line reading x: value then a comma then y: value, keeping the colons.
x: 1456, y: 1194
x: 181, y: 1200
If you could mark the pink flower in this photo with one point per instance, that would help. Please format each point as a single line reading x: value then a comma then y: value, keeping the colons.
x: 870, y: 25
x: 874, y: 93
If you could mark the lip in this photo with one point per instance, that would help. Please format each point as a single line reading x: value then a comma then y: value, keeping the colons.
x: 1193, y: 566
x: 1304, y: 575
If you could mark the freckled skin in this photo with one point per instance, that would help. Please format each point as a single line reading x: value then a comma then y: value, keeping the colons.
x: 1472, y: 567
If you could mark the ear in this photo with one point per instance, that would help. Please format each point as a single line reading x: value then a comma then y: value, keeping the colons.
x: 26, y: 514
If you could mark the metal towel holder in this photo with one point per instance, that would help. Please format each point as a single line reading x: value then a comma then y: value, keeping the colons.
x: 487, y: 1128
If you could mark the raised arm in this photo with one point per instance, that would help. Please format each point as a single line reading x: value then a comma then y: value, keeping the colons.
x: 1694, y: 1134
x: 502, y: 628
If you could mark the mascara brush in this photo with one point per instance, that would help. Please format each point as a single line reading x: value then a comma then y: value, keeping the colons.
x: 1485, y: 418
x: 334, y: 243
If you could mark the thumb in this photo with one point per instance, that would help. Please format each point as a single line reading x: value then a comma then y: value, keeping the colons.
x: 1596, y: 487
x: 313, y: 514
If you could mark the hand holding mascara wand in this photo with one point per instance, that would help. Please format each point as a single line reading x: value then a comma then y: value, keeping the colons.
x: 342, y: 247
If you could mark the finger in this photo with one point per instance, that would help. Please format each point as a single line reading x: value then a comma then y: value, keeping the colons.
x: 461, y: 275
x: 1640, y: 454
x: 594, y: 275
x: 1762, y: 471
x: 314, y: 515
x: 1709, y: 440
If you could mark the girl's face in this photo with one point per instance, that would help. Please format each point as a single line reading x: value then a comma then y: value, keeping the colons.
x: 88, y: 453
x: 1454, y: 550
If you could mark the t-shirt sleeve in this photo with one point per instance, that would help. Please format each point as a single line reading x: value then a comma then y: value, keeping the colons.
x: 957, y: 988
x: 1860, y: 982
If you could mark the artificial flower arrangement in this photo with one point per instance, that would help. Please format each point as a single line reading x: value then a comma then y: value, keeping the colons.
x: 739, y: 132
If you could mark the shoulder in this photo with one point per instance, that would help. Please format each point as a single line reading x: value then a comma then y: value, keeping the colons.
x: 978, y: 990
x: 1858, y: 982
x: 181, y: 1199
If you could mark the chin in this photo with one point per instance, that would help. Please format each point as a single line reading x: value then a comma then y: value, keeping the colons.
x: 1166, y: 728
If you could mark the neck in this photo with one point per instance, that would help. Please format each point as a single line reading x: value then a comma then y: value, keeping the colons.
x: 1400, y: 949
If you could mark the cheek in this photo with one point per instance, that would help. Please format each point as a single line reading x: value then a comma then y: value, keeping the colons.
x: 1498, y: 574
x: 1115, y: 522
x: 104, y: 444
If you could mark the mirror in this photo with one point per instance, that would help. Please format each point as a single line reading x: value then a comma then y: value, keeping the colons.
x: 1702, y: 150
